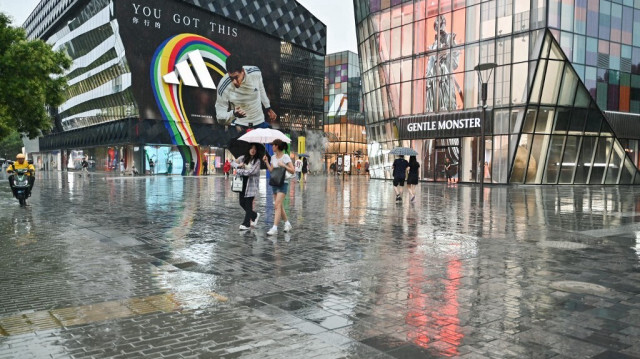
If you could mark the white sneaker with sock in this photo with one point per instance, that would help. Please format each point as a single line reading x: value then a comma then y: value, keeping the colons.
x: 287, y: 226
x: 272, y: 231
x: 243, y: 227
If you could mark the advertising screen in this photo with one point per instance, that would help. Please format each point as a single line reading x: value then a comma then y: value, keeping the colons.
x: 177, y: 55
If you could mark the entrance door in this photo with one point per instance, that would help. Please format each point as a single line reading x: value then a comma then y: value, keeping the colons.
x: 446, y: 149
x: 441, y: 154
x: 434, y: 153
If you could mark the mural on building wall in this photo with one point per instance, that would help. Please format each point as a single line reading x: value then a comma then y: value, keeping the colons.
x: 178, y: 57
x: 442, y: 87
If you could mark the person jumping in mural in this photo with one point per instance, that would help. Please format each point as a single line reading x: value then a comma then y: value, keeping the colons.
x: 444, y: 87
x: 241, y: 95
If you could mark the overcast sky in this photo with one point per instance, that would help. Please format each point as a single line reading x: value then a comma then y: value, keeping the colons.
x: 336, y: 14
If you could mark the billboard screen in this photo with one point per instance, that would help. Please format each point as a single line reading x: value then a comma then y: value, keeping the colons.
x: 177, y: 55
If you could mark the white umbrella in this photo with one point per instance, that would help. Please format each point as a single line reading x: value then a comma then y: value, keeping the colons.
x: 264, y: 135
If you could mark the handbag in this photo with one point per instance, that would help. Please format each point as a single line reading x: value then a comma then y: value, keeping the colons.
x: 236, y: 184
x: 277, y: 177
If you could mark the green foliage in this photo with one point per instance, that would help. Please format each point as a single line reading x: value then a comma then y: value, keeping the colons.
x: 11, y: 145
x: 31, y: 74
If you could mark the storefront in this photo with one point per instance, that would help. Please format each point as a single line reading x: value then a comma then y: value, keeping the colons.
x: 145, y: 76
x: 450, y: 140
x: 551, y: 98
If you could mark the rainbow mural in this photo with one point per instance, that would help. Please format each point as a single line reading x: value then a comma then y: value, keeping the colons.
x: 169, y: 96
x: 191, y: 154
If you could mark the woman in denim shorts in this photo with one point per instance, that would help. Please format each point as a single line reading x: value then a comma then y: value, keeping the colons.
x: 280, y: 159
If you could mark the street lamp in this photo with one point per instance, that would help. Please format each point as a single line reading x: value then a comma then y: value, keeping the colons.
x: 484, y: 74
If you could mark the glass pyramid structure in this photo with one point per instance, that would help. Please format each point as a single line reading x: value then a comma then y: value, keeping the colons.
x: 564, y: 137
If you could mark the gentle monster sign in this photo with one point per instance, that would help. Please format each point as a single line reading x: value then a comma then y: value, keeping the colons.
x: 454, y: 124
x: 443, y: 124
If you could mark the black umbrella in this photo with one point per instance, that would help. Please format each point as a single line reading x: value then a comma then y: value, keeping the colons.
x: 240, y: 148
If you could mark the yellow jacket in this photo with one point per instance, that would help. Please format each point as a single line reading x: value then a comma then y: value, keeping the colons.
x: 24, y: 165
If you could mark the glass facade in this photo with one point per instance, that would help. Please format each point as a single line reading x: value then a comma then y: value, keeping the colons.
x: 99, y: 79
x: 557, y: 61
x: 343, y: 118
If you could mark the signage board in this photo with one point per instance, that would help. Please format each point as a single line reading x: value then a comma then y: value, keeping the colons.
x: 443, y: 125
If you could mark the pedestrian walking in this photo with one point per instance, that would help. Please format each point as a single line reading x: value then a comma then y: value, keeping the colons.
x: 122, y: 167
x: 226, y: 168
x: 151, y: 166
x: 85, y: 166
x: 359, y: 167
x: 169, y: 167
x: 205, y: 168
x: 412, y: 177
x: 366, y: 168
x: 279, y: 159
x: 248, y: 166
x: 298, y: 168
x: 305, y: 169
x: 399, y: 174
x: 447, y: 169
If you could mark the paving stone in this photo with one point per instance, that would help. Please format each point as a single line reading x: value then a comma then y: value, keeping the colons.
x: 155, y: 267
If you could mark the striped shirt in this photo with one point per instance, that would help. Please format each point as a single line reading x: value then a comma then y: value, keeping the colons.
x: 250, y: 97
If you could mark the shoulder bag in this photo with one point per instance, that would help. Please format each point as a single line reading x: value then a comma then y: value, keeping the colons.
x: 277, y: 177
x: 236, y: 184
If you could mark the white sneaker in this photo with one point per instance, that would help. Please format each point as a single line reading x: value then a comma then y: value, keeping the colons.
x: 272, y: 231
x: 253, y: 223
x: 287, y: 227
x: 243, y: 227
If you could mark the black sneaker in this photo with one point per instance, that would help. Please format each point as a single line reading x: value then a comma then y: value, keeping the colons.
x: 398, y: 198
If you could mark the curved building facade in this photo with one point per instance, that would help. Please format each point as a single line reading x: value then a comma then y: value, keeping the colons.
x: 561, y: 102
x: 144, y: 79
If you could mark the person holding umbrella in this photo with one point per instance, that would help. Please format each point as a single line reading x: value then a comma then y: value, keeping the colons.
x: 400, y: 166
x: 305, y: 169
x: 399, y: 174
x: 279, y: 159
x: 248, y: 166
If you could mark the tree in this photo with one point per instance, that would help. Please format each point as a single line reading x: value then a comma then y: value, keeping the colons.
x: 31, y: 74
x: 10, y: 145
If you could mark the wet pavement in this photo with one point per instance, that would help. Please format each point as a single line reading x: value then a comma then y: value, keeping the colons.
x: 127, y: 267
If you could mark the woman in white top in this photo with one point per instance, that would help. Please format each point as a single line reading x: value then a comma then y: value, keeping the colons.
x: 298, y: 167
x: 279, y: 159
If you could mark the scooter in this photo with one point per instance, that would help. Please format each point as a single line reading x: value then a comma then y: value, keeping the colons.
x: 21, y: 186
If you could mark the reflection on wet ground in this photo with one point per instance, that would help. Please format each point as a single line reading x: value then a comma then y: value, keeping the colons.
x: 102, y: 266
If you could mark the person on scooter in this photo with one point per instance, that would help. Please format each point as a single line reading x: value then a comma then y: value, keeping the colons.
x: 21, y: 163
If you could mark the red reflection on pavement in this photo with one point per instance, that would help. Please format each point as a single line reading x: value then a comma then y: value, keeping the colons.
x: 432, y: 312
